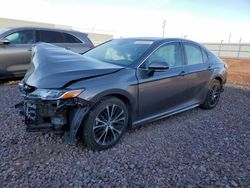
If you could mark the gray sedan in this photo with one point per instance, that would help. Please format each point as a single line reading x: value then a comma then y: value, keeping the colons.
x: 120, y: 84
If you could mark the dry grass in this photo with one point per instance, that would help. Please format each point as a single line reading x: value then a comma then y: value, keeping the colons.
x: 239, y: 69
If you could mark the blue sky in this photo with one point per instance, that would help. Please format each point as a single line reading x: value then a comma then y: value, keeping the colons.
x: 201, y: 20
x: 218, y: 9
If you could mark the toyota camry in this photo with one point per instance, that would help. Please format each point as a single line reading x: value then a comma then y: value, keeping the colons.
x: 118, y: 85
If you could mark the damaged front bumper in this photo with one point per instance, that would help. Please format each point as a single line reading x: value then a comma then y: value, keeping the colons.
x: 54, y: 115
x: 39, y: 114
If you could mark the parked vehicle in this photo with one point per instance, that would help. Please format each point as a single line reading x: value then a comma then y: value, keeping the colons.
x: 16, y: 45
x: 120, y: 84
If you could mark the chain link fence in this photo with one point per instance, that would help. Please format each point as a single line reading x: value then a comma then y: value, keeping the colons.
x: 235, y: 50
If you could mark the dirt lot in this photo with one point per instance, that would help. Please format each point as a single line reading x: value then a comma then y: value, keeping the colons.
x: 239, y: 69
x: 197, y: 148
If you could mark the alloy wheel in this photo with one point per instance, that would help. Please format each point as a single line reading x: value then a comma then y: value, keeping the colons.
x: 214, y: 95
x: 109, y: 124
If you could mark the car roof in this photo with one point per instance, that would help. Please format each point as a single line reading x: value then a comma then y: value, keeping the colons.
x: 80, y: 35
x: 46, y: 28
x: 159, y: 39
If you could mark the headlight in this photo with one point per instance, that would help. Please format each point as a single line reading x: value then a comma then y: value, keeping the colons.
x: 52, y: 94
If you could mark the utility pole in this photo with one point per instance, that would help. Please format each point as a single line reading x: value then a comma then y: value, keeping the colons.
x: 229, y: 38
x: 238, y: 55
x: 93, y: 29
x: 163, y: 28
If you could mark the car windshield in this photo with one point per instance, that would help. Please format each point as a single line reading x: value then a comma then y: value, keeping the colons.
x: 2, y: 30
x: 120, y: 51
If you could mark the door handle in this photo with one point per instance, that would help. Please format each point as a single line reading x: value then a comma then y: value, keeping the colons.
x: 209, y: 68
x: 182, y: 73
x: 30, y: 49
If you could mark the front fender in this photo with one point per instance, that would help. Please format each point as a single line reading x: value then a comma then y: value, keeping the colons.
x: 122, y: 84
x: 115, y: 92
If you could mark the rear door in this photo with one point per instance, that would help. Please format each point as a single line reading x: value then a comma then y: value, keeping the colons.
x: 75, y: 45
x: 15, y: 56
x: 51, y: 37
x: 62, y: 39
x: 199, y: 71
x: 162, y: 91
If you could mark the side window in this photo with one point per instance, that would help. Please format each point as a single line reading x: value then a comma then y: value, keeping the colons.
x: 86, y: 40
x: 21, y: 37
x: 51, y: 37
x: 193, y: 54
x: 204, y: 55
x: 169, y: 53
x: 70, y: 38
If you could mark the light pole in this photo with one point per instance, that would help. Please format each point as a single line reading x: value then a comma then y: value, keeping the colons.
x: 220, y: 47
x: 163, y: 28
x: 238, y: 55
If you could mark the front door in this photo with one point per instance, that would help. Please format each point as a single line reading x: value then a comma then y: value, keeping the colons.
x: 15, y: 56
x: 165, y: 90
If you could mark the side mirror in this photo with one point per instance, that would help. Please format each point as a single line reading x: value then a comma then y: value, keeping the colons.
x: 4, y: 41
x: 158, y: 66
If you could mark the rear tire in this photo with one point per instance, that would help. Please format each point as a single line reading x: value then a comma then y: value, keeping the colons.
x: 213, y: 95
x: 105, y: 124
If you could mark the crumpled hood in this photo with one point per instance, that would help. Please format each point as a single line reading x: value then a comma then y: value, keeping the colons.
x: 54, y: 67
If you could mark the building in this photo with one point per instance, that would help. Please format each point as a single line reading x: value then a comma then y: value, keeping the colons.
x: 97, y: 38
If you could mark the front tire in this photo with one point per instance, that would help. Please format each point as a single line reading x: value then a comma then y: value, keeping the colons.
x: 105, y: 124
x: 213, y: 95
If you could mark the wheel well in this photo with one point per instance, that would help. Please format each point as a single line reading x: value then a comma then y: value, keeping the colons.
x: 219, y: 79
x: 123, y: 99
x: 127, y: 103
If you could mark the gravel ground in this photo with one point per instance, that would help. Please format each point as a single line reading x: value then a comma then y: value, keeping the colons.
x: 196, y: 148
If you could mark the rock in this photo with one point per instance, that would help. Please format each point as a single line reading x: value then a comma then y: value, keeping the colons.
x: 203, y: 168
x: 194, y: 148
x: 131, y: 166
x: 126, y: 166
x: 234, y: 183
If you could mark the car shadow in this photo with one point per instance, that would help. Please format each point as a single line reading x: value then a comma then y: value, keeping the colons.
x: 231, y: 93
x: 242, y: 89
x: 12, y: 80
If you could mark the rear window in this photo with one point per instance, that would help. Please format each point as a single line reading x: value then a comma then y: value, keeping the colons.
x: 50, y: 37
x: 70, y: 38
x: 86, y: 40
x: 205, y: 56
x: 193, y: 54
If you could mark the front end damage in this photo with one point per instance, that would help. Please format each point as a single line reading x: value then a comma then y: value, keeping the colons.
x: 49, y: 104
x: 61, y: 114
